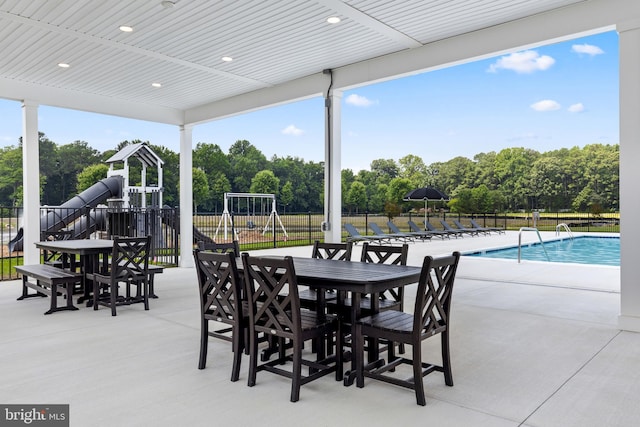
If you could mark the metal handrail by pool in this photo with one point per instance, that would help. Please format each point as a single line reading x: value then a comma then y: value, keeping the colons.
x: 566, y: 228
x: 539, y: 238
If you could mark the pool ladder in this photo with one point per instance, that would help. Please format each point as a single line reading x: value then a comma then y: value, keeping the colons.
x: 539, y: 238
x: 566, y: 228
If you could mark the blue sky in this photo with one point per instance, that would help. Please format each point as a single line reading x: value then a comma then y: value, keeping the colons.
x: 555, y: 96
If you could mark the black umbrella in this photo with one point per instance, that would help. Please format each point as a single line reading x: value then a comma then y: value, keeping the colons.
x: 426, y: 194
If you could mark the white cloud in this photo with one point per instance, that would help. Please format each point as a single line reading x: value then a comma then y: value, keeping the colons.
x: 359, y: 101
x: 546, y: 105
x: 523, y: 62
x: 576, y: 108
x: 587, y: 49
x: 292, y: 130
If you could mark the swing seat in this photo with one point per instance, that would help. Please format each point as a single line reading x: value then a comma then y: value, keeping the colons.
x: 251, y: 225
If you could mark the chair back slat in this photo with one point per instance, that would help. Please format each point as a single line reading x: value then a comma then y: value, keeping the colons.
x: 272, y: 291
x: 220, y: 247
x: 433, y: 298
x: 130, y: 258
x: 219, y: 285
x: 52, y: 256
x: 386, y: 254
x: 338, y: 251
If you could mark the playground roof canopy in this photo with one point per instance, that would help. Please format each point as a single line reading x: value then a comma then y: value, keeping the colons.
x: 140, y: 151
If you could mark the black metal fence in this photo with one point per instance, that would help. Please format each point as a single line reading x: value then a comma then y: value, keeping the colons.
x: 252, y: 231
x: 97, y: 223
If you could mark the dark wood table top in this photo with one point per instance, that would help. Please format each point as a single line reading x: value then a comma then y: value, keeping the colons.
x: 352, y: 276
x: 77, y: 246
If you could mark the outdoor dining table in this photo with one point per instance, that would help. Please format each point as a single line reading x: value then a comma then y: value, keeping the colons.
x: 88, y: 250
x: 358, y: 278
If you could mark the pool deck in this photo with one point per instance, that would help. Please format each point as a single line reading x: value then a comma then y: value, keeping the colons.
x: 533, y: 344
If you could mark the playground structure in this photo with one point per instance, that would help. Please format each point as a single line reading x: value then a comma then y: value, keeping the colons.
x: 130, y: 210
x: 226, y: 221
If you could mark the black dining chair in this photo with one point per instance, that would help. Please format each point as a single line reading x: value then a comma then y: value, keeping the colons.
x: 233, y: 246
x: 274, y: 309
x: 129, y: 265
x: 322, y: 250
x: 220, y: 301
x: 381, y: 254
x: 55, y: 258
x: 431, y: 316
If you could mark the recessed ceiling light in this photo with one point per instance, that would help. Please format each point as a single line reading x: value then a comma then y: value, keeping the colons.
x: 227, y: 58
x: 63, y: 65
x: 126, y: 28
x: 156, y: 84
x: 333, y: 19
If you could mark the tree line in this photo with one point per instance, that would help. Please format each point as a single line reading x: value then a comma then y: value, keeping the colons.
x: 571, y: 179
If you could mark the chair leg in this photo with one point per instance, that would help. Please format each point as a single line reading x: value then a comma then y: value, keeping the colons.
x: 357, y: 347
x: 446, y: 359
x: 296, y: 371
x: 204, y: 343
x: 113, y: 297
x: 237, y: 353
x: 145, y: 293
x: 96, y: 294
x: 253, y: 359
x: 418, y: 384
x: 391, y: 350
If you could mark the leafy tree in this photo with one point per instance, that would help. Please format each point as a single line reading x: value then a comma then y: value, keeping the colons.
x: 413, y: 168
x: 384, y: 170
x: 397, y: 189
x: 170, y: 174
x: 200, y: 187
x: 11, y: 175
x: 265, y: 182
x: 357, y: 197
x: 72, y: 158
x: 512, y: 171
x: 220, y: 186
x: 90, y: 175
x: 245, y: 160
x: 286, y: 194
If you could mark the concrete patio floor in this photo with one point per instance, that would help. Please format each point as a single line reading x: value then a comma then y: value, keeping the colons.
x: 533, y: 344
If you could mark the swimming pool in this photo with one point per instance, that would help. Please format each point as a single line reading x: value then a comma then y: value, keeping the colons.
x: 580, y: 250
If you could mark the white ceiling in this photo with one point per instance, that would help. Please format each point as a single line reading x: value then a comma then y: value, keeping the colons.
x: 272, y: 42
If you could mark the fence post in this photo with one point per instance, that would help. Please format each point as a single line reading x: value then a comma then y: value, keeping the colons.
x: 366, y: 222
x: 273, y: 225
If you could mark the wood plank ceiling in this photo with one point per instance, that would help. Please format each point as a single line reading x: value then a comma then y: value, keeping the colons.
x: 180, y: 43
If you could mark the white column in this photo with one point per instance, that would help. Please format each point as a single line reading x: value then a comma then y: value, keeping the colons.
x: 333, y: 167
x: 30, y: 182
x: 629, y: 318
x: 186, y: 197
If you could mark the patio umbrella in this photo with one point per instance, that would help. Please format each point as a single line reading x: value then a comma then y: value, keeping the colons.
x: 426, y: 194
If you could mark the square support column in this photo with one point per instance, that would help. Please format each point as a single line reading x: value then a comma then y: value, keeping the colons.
x: 30, y: 182
x: 333, y: 168
x: 186, y: 197
x: 629, y: 318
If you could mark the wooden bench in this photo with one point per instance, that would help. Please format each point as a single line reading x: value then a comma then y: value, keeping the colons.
x: 49, y: 281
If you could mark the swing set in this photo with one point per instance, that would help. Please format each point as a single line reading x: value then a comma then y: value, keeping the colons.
x: 226, y: 221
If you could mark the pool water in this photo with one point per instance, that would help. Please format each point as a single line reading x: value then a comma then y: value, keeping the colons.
x: 581, y: 250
